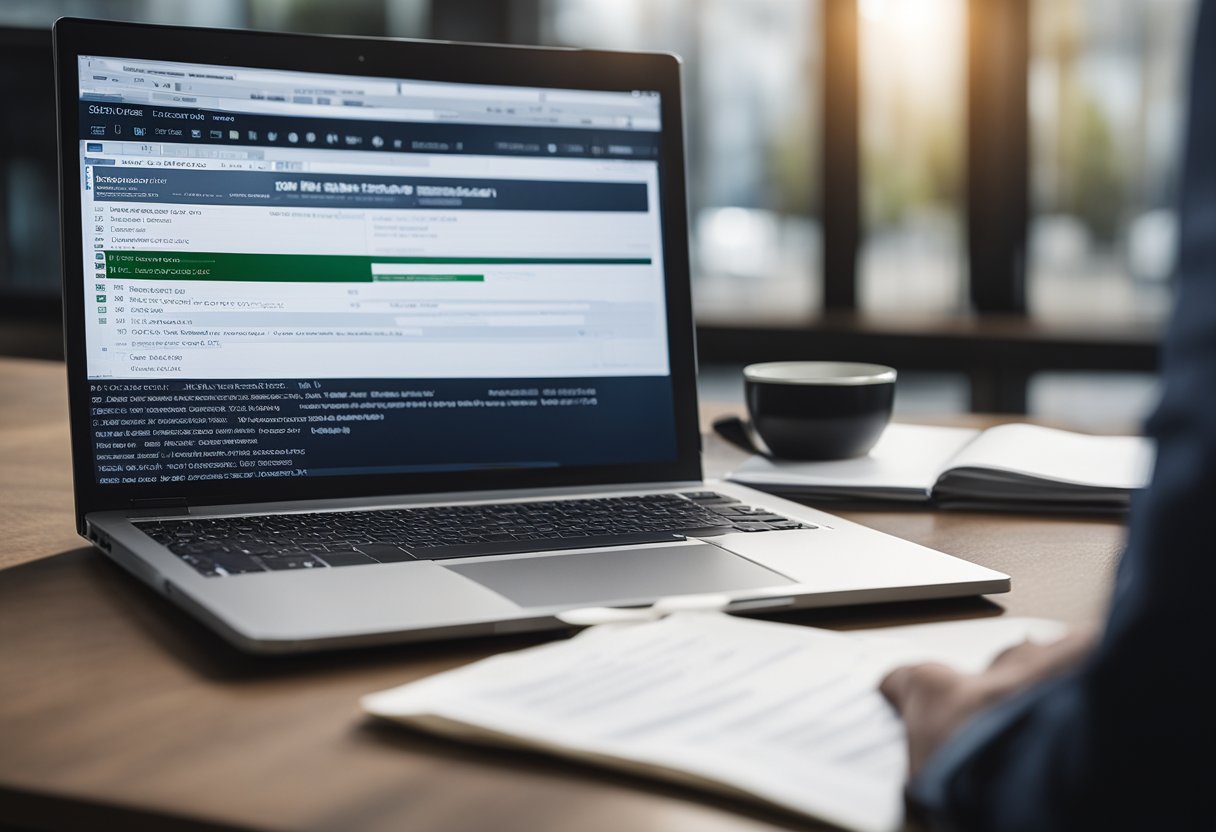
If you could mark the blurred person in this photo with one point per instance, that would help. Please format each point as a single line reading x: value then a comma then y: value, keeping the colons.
x: 1109, y: 730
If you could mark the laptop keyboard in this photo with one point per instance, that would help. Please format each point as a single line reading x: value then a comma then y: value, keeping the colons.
x: 258, y: 543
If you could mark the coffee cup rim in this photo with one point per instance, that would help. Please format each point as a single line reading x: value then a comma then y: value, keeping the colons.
x: 835, y: 373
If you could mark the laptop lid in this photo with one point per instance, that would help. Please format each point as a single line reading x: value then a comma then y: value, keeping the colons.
x: 302, y: 267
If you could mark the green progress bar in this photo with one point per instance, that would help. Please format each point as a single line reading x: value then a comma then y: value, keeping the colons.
x: 315, y: 268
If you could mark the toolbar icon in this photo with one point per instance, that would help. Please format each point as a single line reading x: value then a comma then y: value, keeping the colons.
x: 310, y: 137
x: 196, y: 134
x: 272, y: 136
x: 377, y: 141
x: 293, y: 137
x: 234, y: 135
x: 253, y: 135
x: 331, y: 138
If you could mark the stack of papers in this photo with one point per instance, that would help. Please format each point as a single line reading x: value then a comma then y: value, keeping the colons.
x: 786, y: 715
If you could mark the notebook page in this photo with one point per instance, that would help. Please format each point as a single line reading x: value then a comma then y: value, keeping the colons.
x: 906, y: 457
x: 788, y: 714
x: 1123, y: 462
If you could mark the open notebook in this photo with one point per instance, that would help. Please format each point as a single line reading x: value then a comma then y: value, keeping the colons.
x: 786, y: 715
x: 1008, y: 466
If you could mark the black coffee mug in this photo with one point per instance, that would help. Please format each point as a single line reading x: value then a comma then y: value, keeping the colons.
x: 818, y: 410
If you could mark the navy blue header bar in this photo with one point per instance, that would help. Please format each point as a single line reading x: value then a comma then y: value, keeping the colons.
x: 328, y: 190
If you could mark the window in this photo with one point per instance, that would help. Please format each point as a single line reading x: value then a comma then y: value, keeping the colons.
x: 753, y: 135
x: 1107, y: 103
x: 913, y: 155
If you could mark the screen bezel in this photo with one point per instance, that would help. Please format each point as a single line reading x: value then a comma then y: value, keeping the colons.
x: 389, y: 58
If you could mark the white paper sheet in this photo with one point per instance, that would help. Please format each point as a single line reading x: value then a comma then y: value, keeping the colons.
x: 1123, y: 462
x: 790, y: 715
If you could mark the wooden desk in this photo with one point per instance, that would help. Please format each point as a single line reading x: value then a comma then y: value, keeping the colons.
x: 118, y: 711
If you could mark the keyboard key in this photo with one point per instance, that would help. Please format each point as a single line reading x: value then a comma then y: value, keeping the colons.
x: 351, y: 558
x: 293, y: 562
x: 753, y: 527
x: 383, y: 552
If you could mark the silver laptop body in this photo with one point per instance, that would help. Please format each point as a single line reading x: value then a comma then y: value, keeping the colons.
x: 374, y: 341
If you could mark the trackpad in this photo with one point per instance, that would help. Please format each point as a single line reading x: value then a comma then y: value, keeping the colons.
x: 622, y: 576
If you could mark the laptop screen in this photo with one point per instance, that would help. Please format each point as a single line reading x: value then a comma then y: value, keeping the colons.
x: 292, y: 274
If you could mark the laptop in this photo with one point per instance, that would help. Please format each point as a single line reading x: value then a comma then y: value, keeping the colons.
x: 375, y: 340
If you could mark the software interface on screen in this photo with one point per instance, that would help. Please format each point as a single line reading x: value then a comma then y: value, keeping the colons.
x: 292, y: 274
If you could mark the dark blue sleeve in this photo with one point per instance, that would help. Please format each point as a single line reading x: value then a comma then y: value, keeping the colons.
x: 1128, y: 741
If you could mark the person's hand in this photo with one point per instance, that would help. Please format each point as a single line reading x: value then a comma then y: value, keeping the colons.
x: 934, y: 700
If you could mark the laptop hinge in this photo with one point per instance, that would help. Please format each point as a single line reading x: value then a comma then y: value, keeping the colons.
x: 159, y: 502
